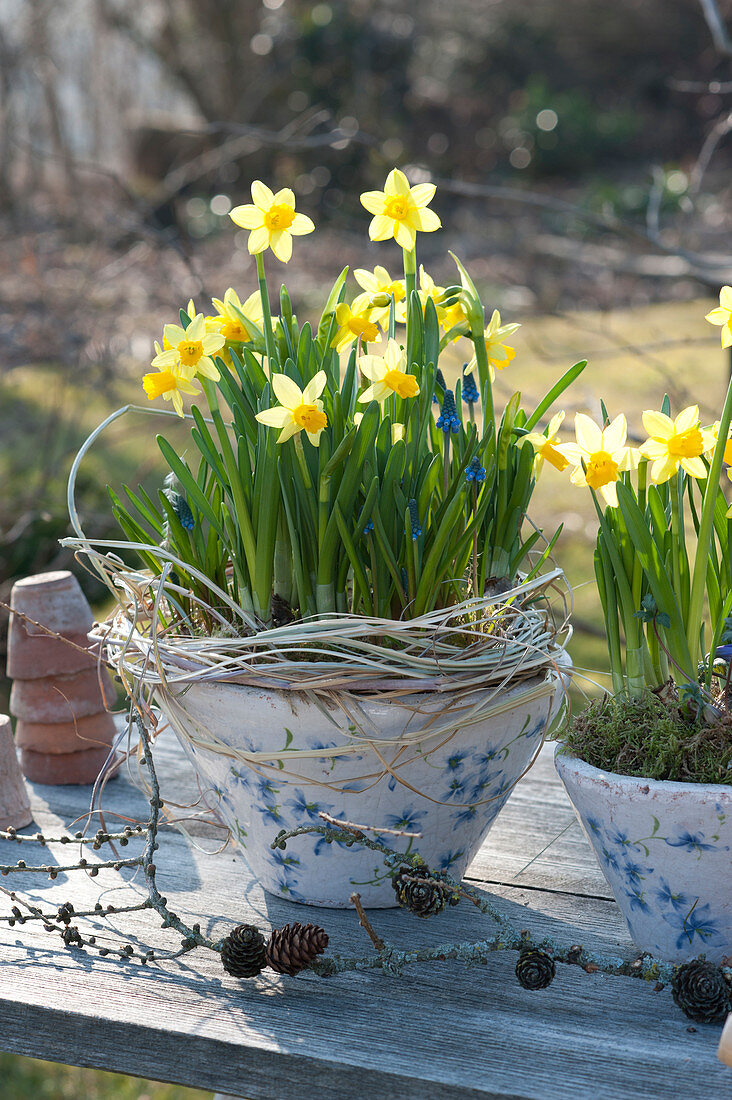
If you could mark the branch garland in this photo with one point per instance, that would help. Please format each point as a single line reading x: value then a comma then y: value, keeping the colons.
x: 701, y: 989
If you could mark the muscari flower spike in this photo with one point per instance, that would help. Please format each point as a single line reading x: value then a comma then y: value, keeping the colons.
x: 369, y: 527
x: 448, y: 418
x: 439, y: 381
x: 469, y: 390
x: 182, y: 510
x: 414, y: 519
x: 475, y: 472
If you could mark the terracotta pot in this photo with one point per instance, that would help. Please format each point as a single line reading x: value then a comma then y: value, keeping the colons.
x: 666, y: 852
x: 57, y: 601
x: 60, y: 698
x: 63, y: 768
x: 91, y: 732
x: 15, y: 811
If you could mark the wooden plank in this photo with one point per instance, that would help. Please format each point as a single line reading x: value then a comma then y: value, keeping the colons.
x: 537, y: 841
x: 440, y: 1031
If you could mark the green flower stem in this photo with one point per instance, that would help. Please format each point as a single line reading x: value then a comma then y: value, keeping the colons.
x: 642, y: 483
x: 484, y: 371
x: 445, y: 464
x: 374, y: 574
x: 415, y: 570
x: 266, y: 313
x: 243, y: 516
x: 624, y: 597
x: 676, y: 537
x: 476, y: 592
x: 706, y: 527
x: 609, y: 601
x: 283, y: 564
x: 325, y: 598
x: 302, y: 462
x: 410, y: 271
x: 411, y: 558
x: 211, y: 393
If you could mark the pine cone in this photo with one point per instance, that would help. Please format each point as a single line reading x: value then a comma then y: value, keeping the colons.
x: 702, y: 991
x: 424, y: 899
x: 243, y: 951
x: 535, y: 969
x: 294, y: 946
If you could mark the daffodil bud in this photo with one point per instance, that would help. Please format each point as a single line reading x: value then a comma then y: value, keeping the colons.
x: 450, y: 295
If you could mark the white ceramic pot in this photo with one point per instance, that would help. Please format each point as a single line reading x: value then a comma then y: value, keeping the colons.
x: 666, y: 852
x: 271, y: 760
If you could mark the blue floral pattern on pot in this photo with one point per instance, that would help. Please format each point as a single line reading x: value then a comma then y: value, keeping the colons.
x: 666, y: 852
x: 272, y: 760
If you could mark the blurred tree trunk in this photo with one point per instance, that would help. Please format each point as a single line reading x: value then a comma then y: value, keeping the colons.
x: 39, y: 50
x: 204, y: 47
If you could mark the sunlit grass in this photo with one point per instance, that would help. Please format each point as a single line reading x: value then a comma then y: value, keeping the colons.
x: 30, y: 1079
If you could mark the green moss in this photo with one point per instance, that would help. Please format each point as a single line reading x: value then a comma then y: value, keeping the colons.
x: 648, y: 738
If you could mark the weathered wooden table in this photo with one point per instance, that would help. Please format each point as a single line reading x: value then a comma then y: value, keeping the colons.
x: 442, y: 1030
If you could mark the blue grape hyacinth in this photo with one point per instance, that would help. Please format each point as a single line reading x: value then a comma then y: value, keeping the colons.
x: 414, y: 518
x: 475, y: 472
x: 448, y: 419
x: 470, y: 390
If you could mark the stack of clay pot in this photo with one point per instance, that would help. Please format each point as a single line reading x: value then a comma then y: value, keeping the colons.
x: 15, y: 809
x: 63, y: 731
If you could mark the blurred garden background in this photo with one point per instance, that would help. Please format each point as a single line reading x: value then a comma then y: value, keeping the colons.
x: 582, y: 158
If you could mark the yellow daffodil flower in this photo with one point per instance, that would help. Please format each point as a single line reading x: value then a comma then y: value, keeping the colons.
x: 429, y: 289
x: 298, y: 408
x: 712, y: 434
x: 400, y: 211
x: 397, y: 430
x: 212, y: 323
x: 387, y: 375
x: 377, y: 284
x: 169, y: 383
x: 599, y: 455
x: 722, y: 315
x: 455, y: 317
x: 231, y: 326
x: 190, y: 349
x: 272, y: 220
x: 354, y: 323
x: 727, y: 457
x: 499, y: 354
x: 674, y: 443
x: 449, y: 316
x: 545, y: 446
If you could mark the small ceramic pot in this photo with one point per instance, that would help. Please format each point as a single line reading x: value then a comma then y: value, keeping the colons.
x: 270, y: 759
x: 666, y: 852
